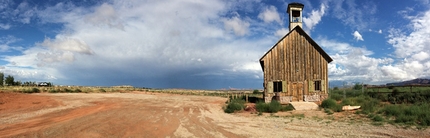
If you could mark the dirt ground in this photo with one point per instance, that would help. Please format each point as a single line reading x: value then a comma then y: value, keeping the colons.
x: 139, y: 114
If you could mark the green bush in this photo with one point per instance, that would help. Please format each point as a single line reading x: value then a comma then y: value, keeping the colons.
x: 67, y: 90
x: 272, y: 107
x: 382, y: 96
x: 262, y: 107
x: 347, y: 102
x: 235, y: 105
x: 377, y: 118
x: 328, y: 103
x: 256, y: 92
x: 32, y: 90
x: 409, y: 114
x: 336, y: 95
x: 35, y: 90
x: 328, y: 111
x: 369, y: 105
x: 102, y: 90
x: 78, y: 90
x: 288, y: 107
x: 392, y: 110
x: 53, y: 91
x: 336, y: 88
x: 357, y: 86
x: 331, y: 104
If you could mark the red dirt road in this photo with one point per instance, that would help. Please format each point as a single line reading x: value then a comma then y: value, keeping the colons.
x: 160, y: 115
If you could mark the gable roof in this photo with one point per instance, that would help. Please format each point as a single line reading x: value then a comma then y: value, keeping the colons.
x: 313, y: 43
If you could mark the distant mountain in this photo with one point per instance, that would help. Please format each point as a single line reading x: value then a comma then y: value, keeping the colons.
x: 411, y: 82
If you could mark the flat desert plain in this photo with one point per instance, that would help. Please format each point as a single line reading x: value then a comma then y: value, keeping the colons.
x: 139, y: 114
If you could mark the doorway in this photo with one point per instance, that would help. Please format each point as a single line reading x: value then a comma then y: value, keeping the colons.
x: 297, y: 88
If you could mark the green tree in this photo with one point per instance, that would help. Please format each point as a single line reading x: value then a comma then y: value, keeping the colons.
x: 17, y: 83
x: 336, y: 88
x: 9, y: 80
x: 1, y: 78
x: 357, y: 86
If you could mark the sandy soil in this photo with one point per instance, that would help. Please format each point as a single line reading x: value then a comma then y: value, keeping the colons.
x: 160, y: 115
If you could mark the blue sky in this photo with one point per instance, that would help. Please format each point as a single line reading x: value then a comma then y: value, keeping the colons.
x: 211, y: 44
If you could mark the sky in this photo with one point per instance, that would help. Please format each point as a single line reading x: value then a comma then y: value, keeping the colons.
x: 206, y: 44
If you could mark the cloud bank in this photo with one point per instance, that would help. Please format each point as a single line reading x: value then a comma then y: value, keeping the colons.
x: 170, y: 42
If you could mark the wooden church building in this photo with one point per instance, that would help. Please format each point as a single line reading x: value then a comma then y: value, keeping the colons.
x: 295, y: 68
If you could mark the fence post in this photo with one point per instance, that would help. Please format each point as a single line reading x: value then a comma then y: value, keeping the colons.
x: 246, y: 99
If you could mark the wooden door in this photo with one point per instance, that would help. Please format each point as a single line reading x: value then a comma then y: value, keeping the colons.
x: 294, y: 92
x: 297, y: 88
x: 300, y: 91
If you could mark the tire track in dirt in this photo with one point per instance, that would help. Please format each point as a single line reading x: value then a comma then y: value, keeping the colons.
x: 47, y: 120
x: 163, y: 115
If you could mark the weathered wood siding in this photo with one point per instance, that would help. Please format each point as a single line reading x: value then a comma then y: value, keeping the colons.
x: 297, y: 63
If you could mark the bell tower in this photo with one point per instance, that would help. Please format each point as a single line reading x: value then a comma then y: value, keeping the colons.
x: 295, y: 14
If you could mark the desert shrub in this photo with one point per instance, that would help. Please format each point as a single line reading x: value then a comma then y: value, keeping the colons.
x: 346, y: 102
x: 383, y: 97
x: 336, y: 95
x: 67, y: 90
x: 235, y: 105
x: 377, y: 118
x: 360, y: 99
x: 331, y: 104
x: 328, y: 111
x: 409, y: 114
x: 260, y: 113
x: 256, y: 92
x: 357, y: 86
x: 53, y: 91
x: 78, y: 90
x: 261, y: 107
x: 102, y: 90
x: 405, y: 119
x: 35, y: 90
x: 32, y: 90
x: 328, y: 103
x: 288, y: 107
x: 369, y: 105
x: 392, y: 110
x: 274, y: 106
x: 336, y: 88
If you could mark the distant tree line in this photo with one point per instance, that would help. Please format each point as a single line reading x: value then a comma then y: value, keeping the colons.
x: 10, y: 81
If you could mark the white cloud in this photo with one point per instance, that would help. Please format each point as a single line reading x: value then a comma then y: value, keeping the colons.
x: 421, y: 56
x: 237, y: 25
x: 351, y: 63
x: 5, y: 26
x: 6, y: 41
x: 395, y: 73
x: 67, y: 44
x: 341, y: 47
x: 24, y: 12
x: 413, y: 47
x: 409, y: 44
x: 380, y: 31
x: 356, y: 16
x: 270, y: 14
x: 314, y: 17
x: 156, y: 39
x: 105, y: 15
x: 357, y: 36
x: 282, y: 32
